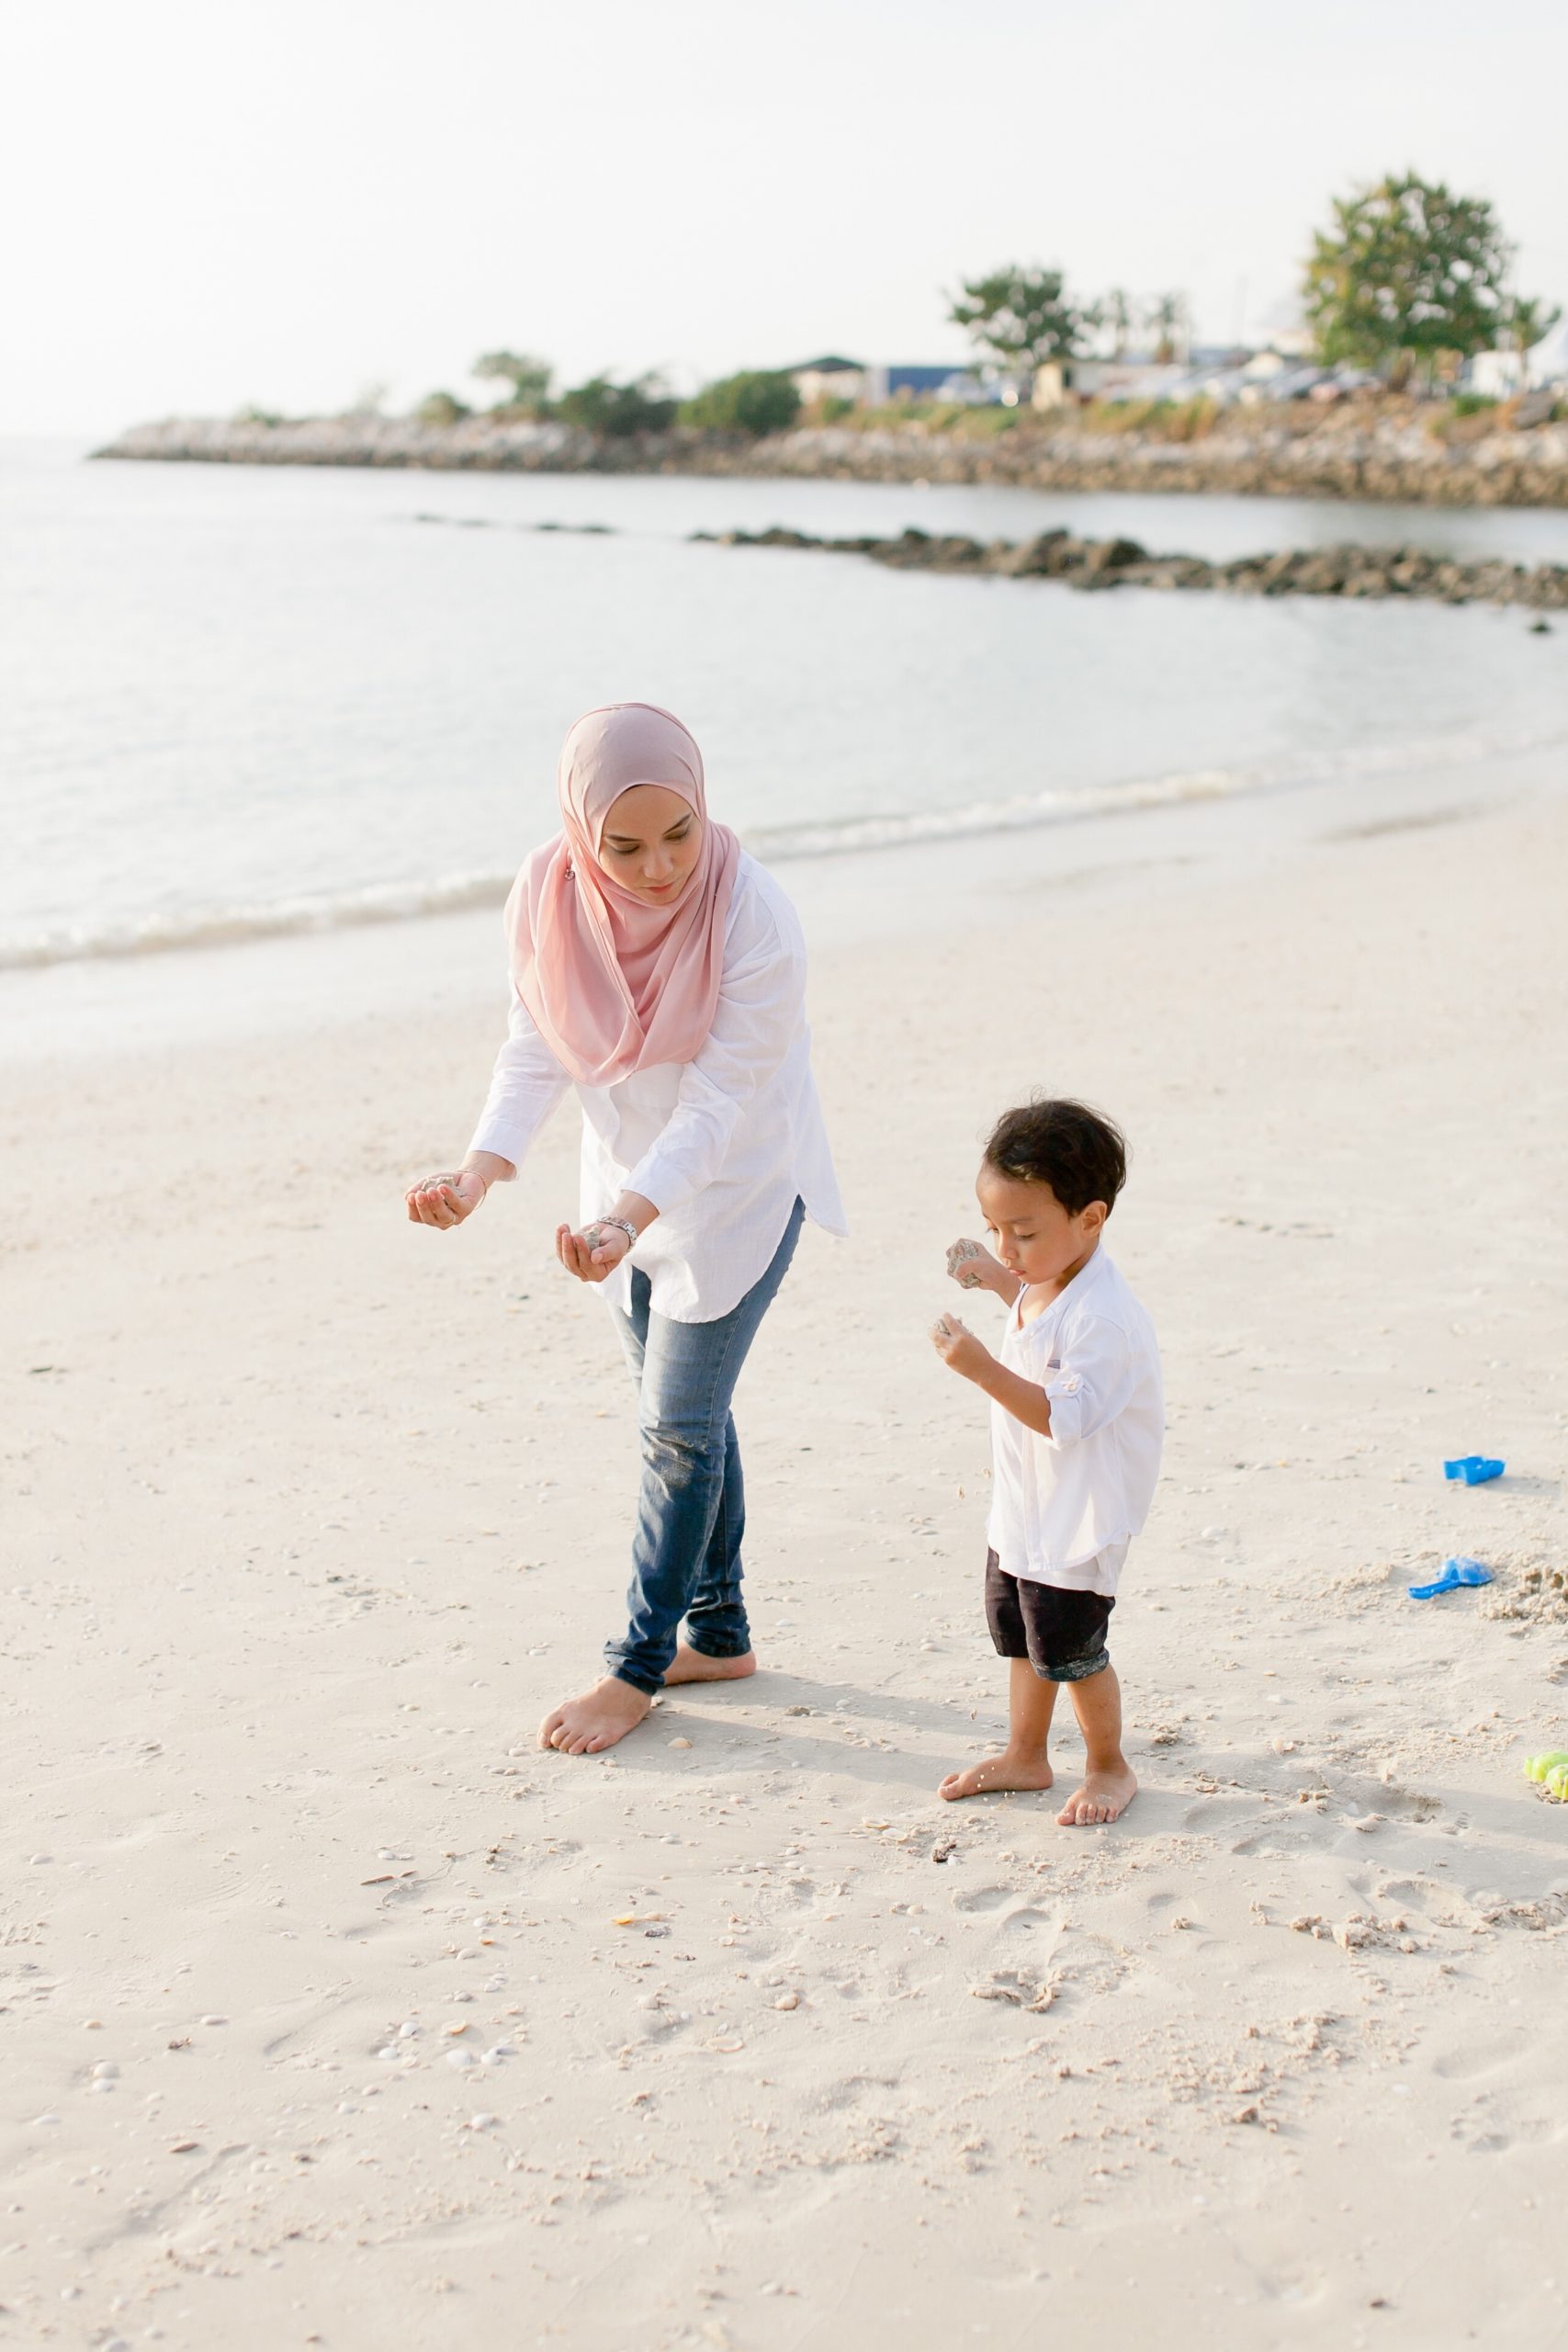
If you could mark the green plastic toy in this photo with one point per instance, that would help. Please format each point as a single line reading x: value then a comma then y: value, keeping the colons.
x: 1551, y: 1771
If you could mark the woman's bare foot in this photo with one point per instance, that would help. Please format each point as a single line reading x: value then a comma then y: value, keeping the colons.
x: 1104, y: 1796
x: 1009, y: 1772
x: 695, y: 1666
x: 595, y: 1719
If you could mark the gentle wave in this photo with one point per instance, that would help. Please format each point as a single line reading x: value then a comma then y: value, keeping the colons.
x: 406, y: 902
x: 1026, y: 811
x: 225, y: 926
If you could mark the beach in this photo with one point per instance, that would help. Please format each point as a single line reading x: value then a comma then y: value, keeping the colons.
x: 336, y: 2013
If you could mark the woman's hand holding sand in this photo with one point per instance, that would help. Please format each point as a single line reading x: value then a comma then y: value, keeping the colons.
x: 446, y: 1200
x: 596, y: 1250
x: 592, y: 1254
x: 442, y: 1201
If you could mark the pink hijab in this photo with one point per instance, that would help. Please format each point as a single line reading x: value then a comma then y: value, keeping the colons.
x: 613, y: 983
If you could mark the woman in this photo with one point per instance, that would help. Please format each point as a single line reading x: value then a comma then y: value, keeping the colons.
x: 660, y: 970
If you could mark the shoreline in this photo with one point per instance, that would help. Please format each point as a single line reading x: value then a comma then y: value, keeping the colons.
x: 1344, y: 454
x: 269, y: 980
x: 976, y: 832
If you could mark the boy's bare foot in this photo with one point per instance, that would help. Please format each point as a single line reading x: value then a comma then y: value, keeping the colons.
x: 695, y: 1666
x: 995, y: 1772
x: 1104, y: 1796
x: 595, y: 1719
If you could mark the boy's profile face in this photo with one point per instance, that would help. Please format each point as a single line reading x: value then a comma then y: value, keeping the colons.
x: 1031, y: 1232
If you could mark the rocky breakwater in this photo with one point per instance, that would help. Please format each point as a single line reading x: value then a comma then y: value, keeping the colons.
x: 1123, y: 563
x: 1392, y: 449
x: 477, y: 445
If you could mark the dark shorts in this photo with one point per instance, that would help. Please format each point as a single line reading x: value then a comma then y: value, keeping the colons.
x: 1061, y: 1633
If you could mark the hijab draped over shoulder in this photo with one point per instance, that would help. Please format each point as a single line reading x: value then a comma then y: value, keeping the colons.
x: 612, y: 982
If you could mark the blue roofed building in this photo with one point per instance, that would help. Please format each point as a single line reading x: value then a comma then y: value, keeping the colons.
x: 872, y: 384
x: 940, y: 382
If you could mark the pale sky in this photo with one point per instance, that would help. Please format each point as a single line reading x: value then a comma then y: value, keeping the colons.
x: 206, y: 204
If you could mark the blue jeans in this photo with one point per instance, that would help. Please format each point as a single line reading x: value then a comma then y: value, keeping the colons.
x: 691, y: 1504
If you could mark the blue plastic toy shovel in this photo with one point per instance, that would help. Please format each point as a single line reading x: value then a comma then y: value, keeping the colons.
x: 1455, y: 1573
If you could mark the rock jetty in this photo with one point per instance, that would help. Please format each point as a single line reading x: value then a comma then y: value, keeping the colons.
x: 1395, y: 449
x: 1123, y: 563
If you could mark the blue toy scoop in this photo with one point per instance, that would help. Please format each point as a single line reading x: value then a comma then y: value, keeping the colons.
x: 1475, y: 1469
x: 1456, y: 1573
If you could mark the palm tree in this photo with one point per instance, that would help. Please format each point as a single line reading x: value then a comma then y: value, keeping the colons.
x: 1165, y: 317
x: 1529, y: 321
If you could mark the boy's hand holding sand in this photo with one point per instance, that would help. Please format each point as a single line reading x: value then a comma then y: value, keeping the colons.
x: 971, y: 1265
x: 959, y: 1349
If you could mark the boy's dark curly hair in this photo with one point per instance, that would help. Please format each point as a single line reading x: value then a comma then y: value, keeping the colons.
x: 1079, y: 1154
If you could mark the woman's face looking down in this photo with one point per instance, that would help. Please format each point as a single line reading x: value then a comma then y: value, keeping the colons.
x: 651, y: 842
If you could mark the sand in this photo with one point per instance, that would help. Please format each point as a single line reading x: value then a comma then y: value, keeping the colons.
x: 335, y: 2013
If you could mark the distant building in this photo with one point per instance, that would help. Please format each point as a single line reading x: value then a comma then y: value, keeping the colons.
x: 831, y: 378
x: 1221, y: 372
x: 1496, y: 375
x: 873, y: 385
x: 1058, y: 382
x: 942, y: 383
x: 1501, y: 375
x: 1547, y: 361
x: 1296, y: 343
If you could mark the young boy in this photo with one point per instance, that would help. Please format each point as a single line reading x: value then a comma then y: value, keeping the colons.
x: 1077, y: 1423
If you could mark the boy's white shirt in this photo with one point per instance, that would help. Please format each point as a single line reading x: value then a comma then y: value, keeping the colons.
x: 1060, y: 1503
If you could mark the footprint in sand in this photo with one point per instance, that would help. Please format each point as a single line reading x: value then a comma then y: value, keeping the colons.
x: 1483, y: 2058
x: 1017, y: 1988
x: 1409, y: 1804
x: 982, y: 1898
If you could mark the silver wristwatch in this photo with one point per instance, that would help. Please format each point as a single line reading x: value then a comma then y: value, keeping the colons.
x: 622, y: 1225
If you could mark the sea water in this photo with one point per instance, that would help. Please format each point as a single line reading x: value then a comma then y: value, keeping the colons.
x: 237, y: 702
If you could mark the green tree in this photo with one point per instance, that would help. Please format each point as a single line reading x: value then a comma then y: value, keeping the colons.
x: 1409, y: 272
x: 757, y: 400
x: 1115, y: 313
x: 1019, y: 317
x: 441, y: 408
x: 1530, y: 321
x: 618, y: 410
x: 1165, y: 317
x: 529, y: 377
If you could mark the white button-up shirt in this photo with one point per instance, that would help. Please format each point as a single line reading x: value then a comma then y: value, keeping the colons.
x: 723, y: 1146
x: 1059, y: 1502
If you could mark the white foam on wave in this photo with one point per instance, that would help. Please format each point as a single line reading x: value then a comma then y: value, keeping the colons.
x: 225, y: 926
x: 837, y: 836
x: 833, y: 837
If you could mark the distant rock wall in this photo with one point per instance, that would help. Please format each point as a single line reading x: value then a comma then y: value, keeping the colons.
x: 1123, y: 563
x: 1350, y: 451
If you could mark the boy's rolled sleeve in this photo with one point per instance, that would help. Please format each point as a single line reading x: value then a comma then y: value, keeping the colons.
x: 1092, y: 1384
x: 754, y: 1023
